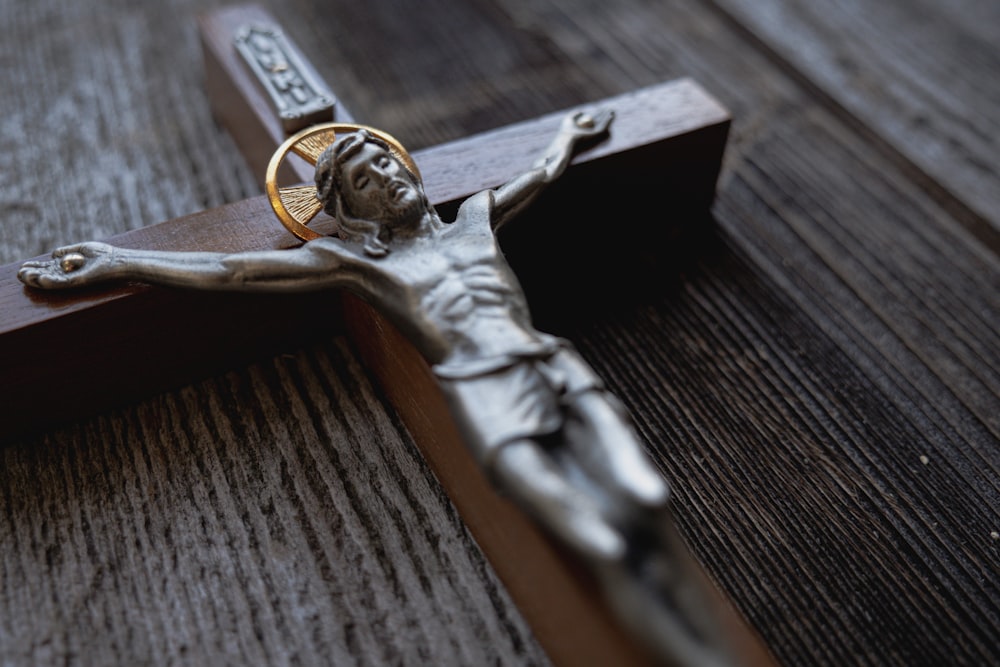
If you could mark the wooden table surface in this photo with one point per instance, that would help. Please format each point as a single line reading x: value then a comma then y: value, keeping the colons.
x: 819, y: 381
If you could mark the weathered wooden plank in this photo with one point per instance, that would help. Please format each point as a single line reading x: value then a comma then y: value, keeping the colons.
x: 920, y: 75
x: 102, y: 130
x: 182, y: 530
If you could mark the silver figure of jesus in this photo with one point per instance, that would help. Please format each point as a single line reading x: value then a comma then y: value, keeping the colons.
x: 536, y: 417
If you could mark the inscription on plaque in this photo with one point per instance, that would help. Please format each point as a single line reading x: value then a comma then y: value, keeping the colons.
x: 298, y: 96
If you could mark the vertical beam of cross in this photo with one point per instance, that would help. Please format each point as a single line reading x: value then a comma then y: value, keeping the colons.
x: 557, y: 599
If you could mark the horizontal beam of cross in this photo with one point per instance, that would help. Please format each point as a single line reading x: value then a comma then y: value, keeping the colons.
x: 66, y: 355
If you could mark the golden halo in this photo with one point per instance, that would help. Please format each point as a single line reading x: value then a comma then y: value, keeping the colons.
x: 297, y: 205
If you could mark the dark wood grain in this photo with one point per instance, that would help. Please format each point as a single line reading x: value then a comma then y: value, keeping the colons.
x: 818, y: 383
x: 915, y: 77
x: 181, y: 531
x: 104, y: 128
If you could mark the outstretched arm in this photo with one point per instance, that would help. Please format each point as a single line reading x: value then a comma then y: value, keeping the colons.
x: 315, y: 265
x: 509, y: 199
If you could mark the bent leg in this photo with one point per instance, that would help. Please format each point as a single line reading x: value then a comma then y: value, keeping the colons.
x: 541, y: 488
x: 610, y: 450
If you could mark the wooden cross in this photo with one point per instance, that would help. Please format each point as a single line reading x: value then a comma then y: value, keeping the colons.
x: 669, y: 138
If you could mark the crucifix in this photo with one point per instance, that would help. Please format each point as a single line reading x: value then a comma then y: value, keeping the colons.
x: 390, y: 356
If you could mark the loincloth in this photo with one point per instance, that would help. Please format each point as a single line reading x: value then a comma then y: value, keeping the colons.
x: 515, y: 397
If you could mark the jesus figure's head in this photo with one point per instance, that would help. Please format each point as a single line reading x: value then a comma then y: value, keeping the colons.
x: 369, y: 191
